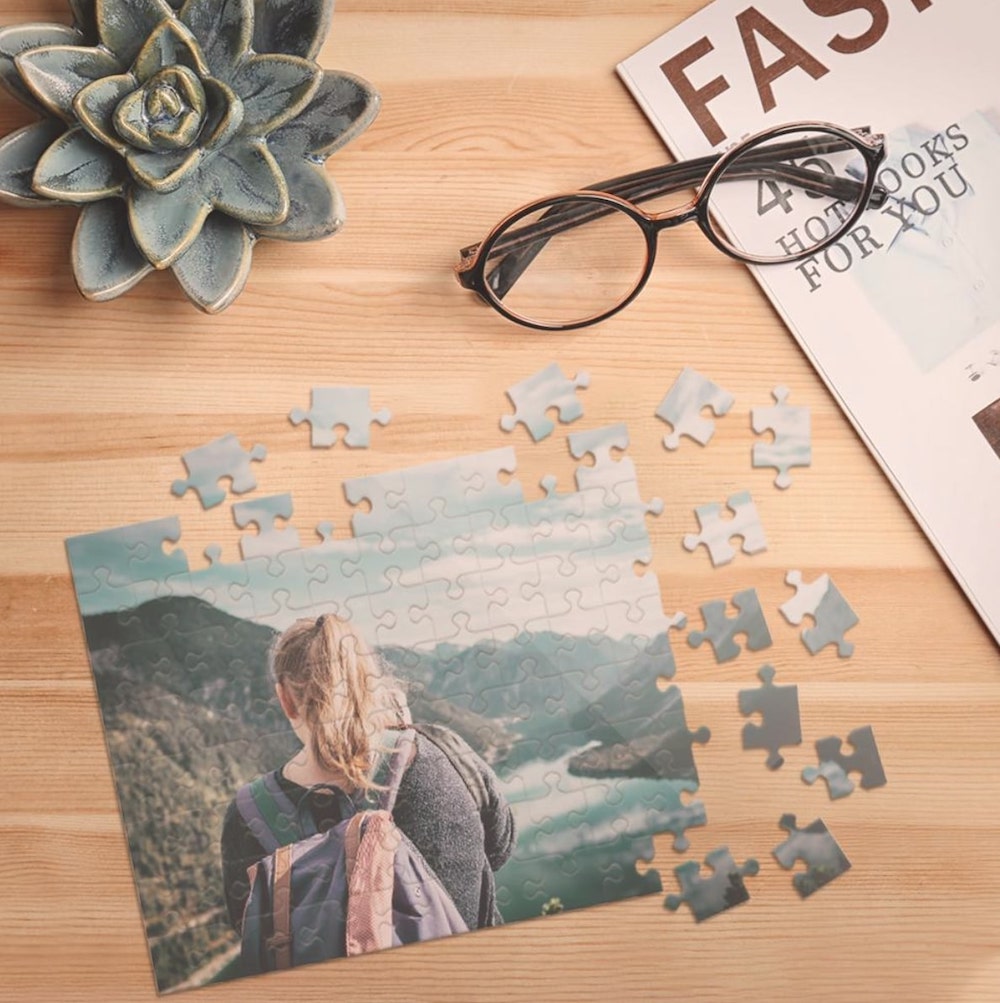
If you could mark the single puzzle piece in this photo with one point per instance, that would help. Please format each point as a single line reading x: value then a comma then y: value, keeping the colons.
x: 208, y: 464
x: 264, y: 514
x: 835, y: 767
x: 331, y: 407
x: 779, y: 710
x: 716, y: 531
x: 546, y: 389
x: 682, y: 406
x: 723, y: 889
x: 821, y: 600
x: 792, y: 445
x: 720, y: 629
x: 814, y: 846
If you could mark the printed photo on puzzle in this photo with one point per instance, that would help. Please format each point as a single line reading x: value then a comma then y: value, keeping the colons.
x: 242, y: 702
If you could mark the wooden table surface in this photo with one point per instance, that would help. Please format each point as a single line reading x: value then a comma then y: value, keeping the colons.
x: 485, y: 106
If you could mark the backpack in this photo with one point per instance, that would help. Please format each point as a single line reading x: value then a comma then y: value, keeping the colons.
x: 360, y: 886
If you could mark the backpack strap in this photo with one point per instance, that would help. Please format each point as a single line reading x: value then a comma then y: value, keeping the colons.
x: 269, y: 812
x: 462, y: 758
x: 388, y: 774
x: 280, y: 940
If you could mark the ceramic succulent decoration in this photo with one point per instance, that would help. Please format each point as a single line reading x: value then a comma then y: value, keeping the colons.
x: 184, y: 132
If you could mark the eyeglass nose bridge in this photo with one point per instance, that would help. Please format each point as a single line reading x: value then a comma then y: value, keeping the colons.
x: 670, y: 218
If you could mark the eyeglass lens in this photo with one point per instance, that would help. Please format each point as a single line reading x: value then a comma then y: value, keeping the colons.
x: 565, y: 275
x: 787, y: 195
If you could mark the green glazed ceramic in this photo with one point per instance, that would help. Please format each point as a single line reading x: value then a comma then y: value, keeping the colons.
x: 184, y: 132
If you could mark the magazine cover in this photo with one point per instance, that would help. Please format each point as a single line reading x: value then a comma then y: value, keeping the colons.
x: 899, y: 316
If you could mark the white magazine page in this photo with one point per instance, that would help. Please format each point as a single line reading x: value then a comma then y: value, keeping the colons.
x: 901, y: 318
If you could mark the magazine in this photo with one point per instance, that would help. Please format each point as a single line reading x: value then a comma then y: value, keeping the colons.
x: 901, y: 318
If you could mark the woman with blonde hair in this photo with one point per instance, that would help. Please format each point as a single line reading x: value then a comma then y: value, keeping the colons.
x: 345, y: 710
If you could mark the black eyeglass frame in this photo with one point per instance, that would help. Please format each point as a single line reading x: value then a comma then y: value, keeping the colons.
x: 621, y: 195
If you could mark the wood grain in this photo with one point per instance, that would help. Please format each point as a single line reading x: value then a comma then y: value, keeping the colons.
x: 486, y: 105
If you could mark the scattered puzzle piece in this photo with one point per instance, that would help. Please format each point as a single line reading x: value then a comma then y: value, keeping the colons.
x: 779, y: 710
x: 834, y: 765
x: 720, y: 629
x: 208, y: 464
x: 708, y: 896
x: 814, y: 846
x: 533, y: 397
x: 334, y: 406
x: 792, y: 446
x: 716, y: 531
x: 682, y: 406
x: 821, y: 600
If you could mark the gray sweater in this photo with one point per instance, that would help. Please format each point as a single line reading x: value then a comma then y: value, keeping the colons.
x: 436, y: 811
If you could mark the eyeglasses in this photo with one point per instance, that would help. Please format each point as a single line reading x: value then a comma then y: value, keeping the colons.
x: 571, y: 260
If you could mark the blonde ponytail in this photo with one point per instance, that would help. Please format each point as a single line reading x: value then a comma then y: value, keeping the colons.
x: 339, y: 689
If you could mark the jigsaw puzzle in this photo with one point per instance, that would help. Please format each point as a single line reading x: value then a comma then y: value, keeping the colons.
x: 721, y: 629
x: 834, y: 766
x: 792, y: 443
x: 778, y: 707
x: 716, y: 532
x: 719, y: 891
x: 521, y: 624
x: 814, y: 846
x: 533, y: 397
x: 215, y: 461
x: 821, y: 600
x: 334, y: 407
x: 683, y: 404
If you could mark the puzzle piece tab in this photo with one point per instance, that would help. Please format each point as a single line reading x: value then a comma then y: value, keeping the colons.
x: 208, y: 464
x: 815, y: 846
x: 716, y: 532
x: 834, y: 765
x: 792, y: 445
x: 331, y: 407
x: 533, y: 397
x: 264, y: 513
x: 821, y: 600
x: 720, y: 629
x: 723, y: 889
x: 779, y: 710
x: 682, y: 406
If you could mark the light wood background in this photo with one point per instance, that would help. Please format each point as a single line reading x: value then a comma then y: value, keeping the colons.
x: 486, y: 105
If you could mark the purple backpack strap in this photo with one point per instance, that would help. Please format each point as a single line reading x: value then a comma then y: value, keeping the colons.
x: 395, y: 765
x: 269, y: 812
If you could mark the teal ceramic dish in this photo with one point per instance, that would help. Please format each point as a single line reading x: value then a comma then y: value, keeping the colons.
x: 185, y: 133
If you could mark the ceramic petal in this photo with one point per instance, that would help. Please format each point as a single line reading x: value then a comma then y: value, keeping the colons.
x: 214, y: 270
x: 19, y: 38
x: 296, y: 27
x: 224, y: 29
x: 163, y: 172
x: 124, y: 25
x: 316, y: 207
x: 342, y: 108
x: 171, y: 44
x: 95, y: 107
x: 106, y: 262
x: 77, y: 168
x: 274, y: 90
x: 55, y: 73
x: 19, y: 153
x: 245, y: 182
x: 165, y: 225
